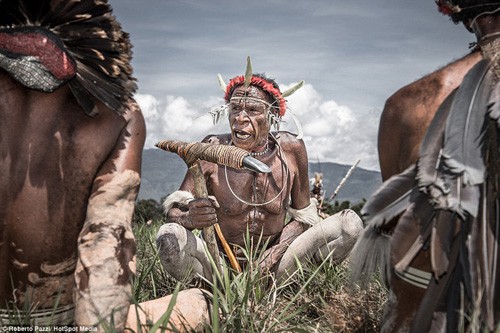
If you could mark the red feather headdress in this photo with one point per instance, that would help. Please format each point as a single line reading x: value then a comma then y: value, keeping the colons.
x: 92, y: 51
x: 261, y: 83
x: 447, y: 8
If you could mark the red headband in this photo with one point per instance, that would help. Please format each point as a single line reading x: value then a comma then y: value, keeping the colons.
x: 446, y: 8
x: 261, y: 83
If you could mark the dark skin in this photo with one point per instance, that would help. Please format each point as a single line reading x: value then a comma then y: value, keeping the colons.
x: 406, y: 117
x: 53, y: 158
x: 408, y: 113
x: 250, y: 131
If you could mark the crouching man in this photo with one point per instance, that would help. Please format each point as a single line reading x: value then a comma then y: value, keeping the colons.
x: 254, y: 203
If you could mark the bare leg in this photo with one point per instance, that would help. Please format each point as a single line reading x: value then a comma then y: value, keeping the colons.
x: 337, y: 234
x: 182, y: 254
x: 190, y: 314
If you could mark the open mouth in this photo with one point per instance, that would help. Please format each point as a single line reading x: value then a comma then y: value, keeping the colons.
x: 241, y: 135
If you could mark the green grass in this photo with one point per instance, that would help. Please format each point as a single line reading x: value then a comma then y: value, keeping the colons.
x: 314, y: 299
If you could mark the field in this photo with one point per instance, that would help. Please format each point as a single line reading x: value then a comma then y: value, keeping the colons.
x: 316, y: 299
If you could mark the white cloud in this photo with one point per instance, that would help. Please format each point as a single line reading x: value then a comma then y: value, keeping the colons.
x: 176, y: 118
x: 332, y: 132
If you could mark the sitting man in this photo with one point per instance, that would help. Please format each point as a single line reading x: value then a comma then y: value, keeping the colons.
x: 71, y: 139
x: 252, y: 202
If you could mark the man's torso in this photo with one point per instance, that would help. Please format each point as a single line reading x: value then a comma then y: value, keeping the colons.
x: 50, y: 152
x: 255, y: 201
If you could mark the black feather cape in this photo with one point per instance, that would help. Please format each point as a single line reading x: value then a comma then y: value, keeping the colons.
x: 90, y: 35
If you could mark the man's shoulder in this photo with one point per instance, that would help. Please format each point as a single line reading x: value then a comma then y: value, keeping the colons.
x: 134, y: 117
x: 289, y: 142
x: 285, y: 137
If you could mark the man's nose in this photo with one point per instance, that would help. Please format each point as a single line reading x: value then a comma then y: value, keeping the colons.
x: 242, y: 116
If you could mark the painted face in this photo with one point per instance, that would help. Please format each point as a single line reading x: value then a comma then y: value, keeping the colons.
x: 248, y: 118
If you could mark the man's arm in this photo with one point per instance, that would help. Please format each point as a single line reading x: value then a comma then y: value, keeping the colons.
x: 300, y: 198
x: 183, y: 209
x: 300, y: 193
x: 106, y: 245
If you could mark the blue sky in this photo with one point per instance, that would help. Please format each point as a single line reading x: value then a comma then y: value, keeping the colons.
x: 352, y: 54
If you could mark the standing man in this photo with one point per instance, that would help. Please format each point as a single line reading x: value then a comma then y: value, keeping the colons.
x: 71, y: 140
x: 444, y: 248
x: 250, y: 202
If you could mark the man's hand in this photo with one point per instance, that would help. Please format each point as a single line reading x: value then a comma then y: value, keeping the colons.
x: 202, y: 213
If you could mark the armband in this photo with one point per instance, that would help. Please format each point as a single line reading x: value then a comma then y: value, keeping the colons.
x: 308, y: 215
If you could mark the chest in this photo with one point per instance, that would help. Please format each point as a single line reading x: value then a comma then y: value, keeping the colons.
x: 240, y: 190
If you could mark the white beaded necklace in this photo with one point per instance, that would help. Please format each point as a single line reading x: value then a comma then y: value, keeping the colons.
x: 260, y: 153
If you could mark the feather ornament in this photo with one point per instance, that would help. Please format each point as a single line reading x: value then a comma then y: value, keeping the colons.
x: 370, y: 255
x: 430, y: 149
x: 494, y: 104
x: 391, y: 199
x: 445, y: 190
x: 444, y: 230
x: 92, y: 36
x: 462, y: 150
x: 293, y: 89
x: 248, y: 73
x: 222, y: 84
x: 274, y: 120
x: 218, y: 113
x: 417, y: 217
x: 300, y: 132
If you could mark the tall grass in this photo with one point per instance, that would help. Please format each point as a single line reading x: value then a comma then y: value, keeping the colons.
x: 314, y: 299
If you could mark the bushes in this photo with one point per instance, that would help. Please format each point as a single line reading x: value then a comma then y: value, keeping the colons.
x: 148, y: 210
x: 336, y: 207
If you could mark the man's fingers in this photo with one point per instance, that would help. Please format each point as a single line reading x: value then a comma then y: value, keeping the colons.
x: 202, y: 213
x: 205, y: 218
x: 197, y: 203
x: 202, y: 210
x: 202, y: 221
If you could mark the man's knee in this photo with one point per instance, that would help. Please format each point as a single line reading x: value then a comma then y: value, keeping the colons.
x: 344, y: 229
x: 169, y: 240
x: 351, y: 223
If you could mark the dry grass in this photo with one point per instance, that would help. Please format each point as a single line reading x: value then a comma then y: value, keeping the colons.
x: 351, y: 309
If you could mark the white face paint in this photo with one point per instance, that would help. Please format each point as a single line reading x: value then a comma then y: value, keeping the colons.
x: 248, y: 118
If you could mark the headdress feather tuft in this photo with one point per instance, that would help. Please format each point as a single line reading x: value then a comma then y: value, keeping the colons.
x: 249, y: 79
x: 89, y: 33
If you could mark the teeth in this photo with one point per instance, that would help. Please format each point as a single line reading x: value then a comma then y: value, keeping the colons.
x: 242, y: 136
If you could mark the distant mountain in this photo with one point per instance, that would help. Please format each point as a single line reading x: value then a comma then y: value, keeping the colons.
x: 163, y: 172
x: 360, y: 184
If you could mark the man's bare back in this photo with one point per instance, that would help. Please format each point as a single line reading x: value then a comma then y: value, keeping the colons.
x: 71, y: 139
x: 52, y: 154
x: 408, y: 113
